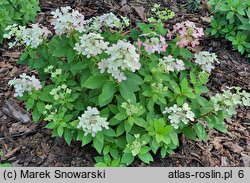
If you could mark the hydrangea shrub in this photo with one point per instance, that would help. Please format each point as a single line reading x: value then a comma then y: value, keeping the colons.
x: 128, y: 95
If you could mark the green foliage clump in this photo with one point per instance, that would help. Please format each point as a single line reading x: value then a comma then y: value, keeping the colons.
x: 17, y: 11
x: 232, y: 21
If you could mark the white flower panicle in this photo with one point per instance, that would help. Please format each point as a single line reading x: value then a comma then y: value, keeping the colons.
x: 228, y: 101
x: 32, y: 36
x: 159, y: 88
x: 60, y: 92
x: 178, y: 115
x: 108, y: 20
x: 66, y: 20
x: 54, y: 72
x: 25, y: 84
x: 206, y: 60
x: 123, y: 57
x: 49, y: 113
x: 171, y: 64
x: 131, y: 109
x: 91, y: 122
x: 136, y: 145
x: 91, y: 44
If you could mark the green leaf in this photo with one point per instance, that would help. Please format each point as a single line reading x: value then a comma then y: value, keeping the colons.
x: 114, y: 153
x: 145, y: 28
x: 40, y: 106
x: 199, y: 89
x: 163, y: 152
x: 44, y: 94
x: 200, y: 131
x: 126, y: 92
x: 36, y: 115
x: 120, y: 129
x: 134, y: 34
x: 98, y: 142
x: 115, y: 162
x: 101, y: 164
x: 78, y: 67
x: 109, y: 132
x: 106, y: 149
x: 60, y: 130
x: 39, y: 63
x: 175, y: 87
x: 186, y: 53
x: 146, y: 158
x: 23, y: 58
x: 120, y: 116
x: 107, y: 93
x: 95, y: 82
x: 29, y: 104
x: 181, y: 100
x: 174, y: 138
x: 127, y: 159
x: 68, y: 136
x: 189, y: 133
x: 85, y: 139
x: 154, y: 146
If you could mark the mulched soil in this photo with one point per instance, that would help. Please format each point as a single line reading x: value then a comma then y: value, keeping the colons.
x: 30, y: 144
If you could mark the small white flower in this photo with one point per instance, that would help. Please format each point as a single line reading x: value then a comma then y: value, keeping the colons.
x: 205, y: 60
x: 228, y: 101
x: 91, y: 44
x: 25, y: 84
x: 123, y: 57
x: 60, y: 92
x: 91, y: 122
x: 170, y: 64
x: 178, y: 115
x: 66, y: 20
x: 108, y: 20
x: 32, y: 36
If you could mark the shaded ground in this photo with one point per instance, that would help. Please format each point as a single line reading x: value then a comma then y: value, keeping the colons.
x: 32, y: 145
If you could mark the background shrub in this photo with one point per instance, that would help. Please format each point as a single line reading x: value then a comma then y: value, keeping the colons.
x: 232, y: 21
x: 17, y: 11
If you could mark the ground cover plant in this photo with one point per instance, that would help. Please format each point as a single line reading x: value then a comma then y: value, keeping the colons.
x: 129, y: 95
x: 231, y: 20
x: 19, y: 12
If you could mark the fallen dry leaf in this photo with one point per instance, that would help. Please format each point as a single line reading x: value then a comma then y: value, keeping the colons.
x: 141, y: 12
x: 225, y: 161
x: 12, y: 54
x: 245, y: 159
x: 233, y: 147
x: 10, y: 153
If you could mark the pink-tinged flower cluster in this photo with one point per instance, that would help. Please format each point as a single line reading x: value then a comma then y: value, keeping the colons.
x: 153, y: 45
x: 187, y: 34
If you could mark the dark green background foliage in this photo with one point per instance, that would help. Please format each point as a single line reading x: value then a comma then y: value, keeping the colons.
x: 17, y: 11
x: 232, y: 21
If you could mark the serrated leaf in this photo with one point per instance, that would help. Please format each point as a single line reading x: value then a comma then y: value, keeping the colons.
x: 30, y: 103
x: 146, y: 158
x: 107, y: 93
x: 127, y: 159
